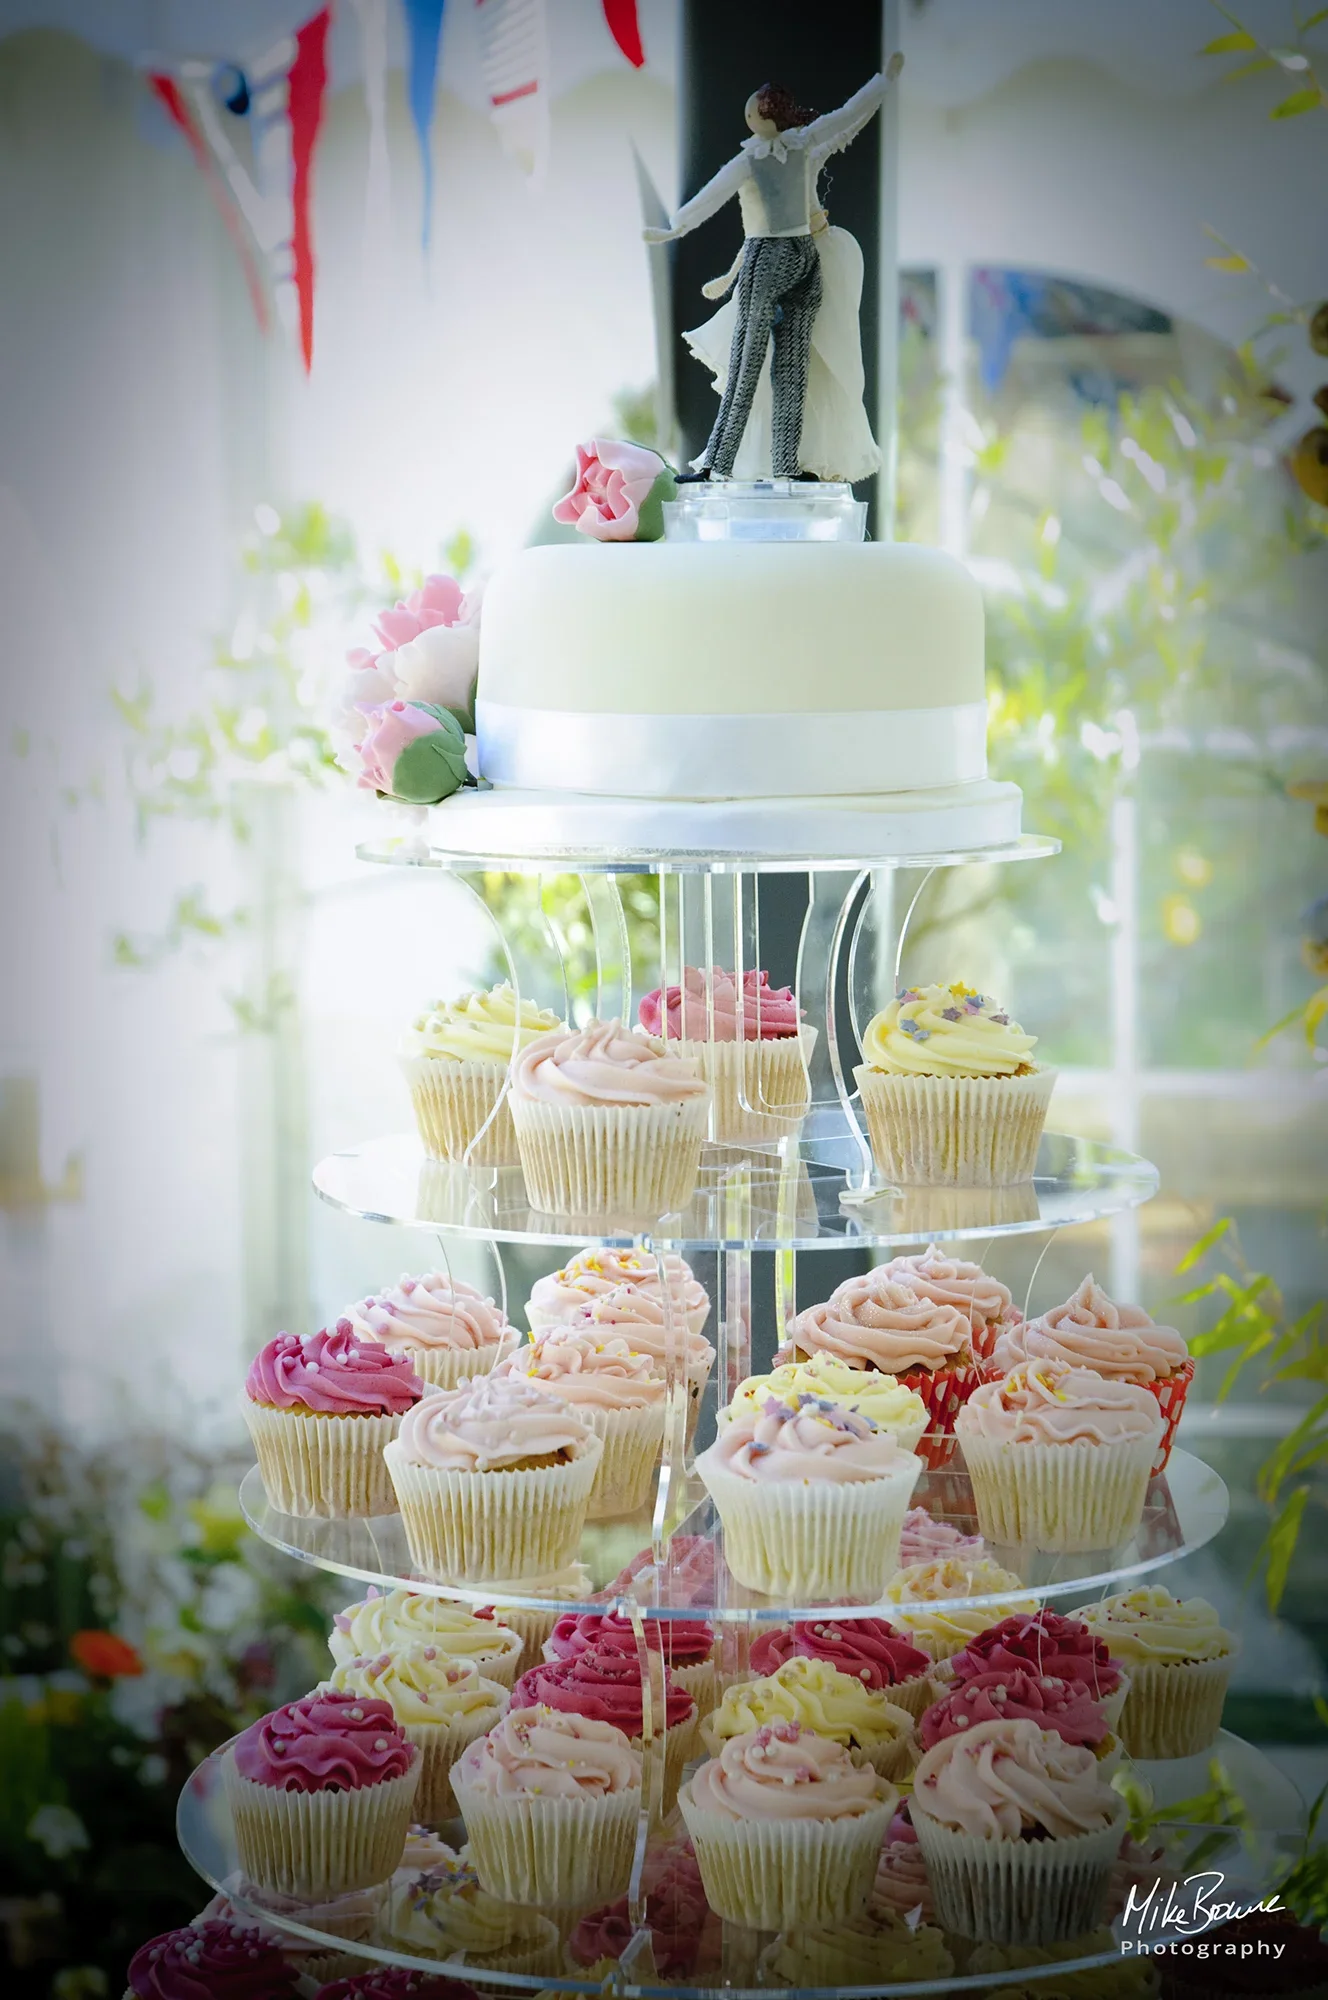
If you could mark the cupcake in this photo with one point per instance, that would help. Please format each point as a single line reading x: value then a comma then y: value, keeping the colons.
x: 1045, y: 1642
x: 889, y: 1404
x: 551, y: 1801
x: 394, y: 1982
x: 1059, y: 1457
x: 1178, y: 1659
x: 686, y: 1645
x: 440, y: 1703
x: 868, y: 1724
x: 388, y: 1621
x: 631, y: 1315
x: 686, y: 1937
x: 684, y: 1575
x: 877, y: 1945
x: 447, y: 1330
x: 321, y: 1793
x: 941, y: 1605
x: 531, y: 1622
x: 873, y: 1653
x: 1019, y: 1830
x: 320, y: 1412
x: 493, y: 1479
x: 606, y: 1685
x: 950, y: 1092
x: 811, y: 1497
x: 456, y: 1058
x: 1066, y: 1707
x: 787, y: 1829
x: 618, y: 1393
x: 607, y: 1126
x: 343, y: 1921
x: 446, y: 1914
x: 953, y: 1281
x: 226, y: 1957
x: 1120, y: 1342
x: 873, y: 1323
x: 759, y: 1077
x: 901, y: 1884
x: 596, y: 1274
x: 924, y: 1539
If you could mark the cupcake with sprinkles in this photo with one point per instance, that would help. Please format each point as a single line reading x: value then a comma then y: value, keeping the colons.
x: 215, y: 1960
x: 446, y: 1329
x: 321, y: 1412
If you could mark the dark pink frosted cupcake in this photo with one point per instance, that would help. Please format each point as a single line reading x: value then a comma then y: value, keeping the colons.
x: 759, y: 1073
x: 217, y: 1960
x: 321, y: 1793
x: 319, y: 1411
x: 394, y: 1982
x: 869, y: 1649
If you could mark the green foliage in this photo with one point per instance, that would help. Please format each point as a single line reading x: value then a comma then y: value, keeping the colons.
x: 556, y: 926
x: 1295, y: 60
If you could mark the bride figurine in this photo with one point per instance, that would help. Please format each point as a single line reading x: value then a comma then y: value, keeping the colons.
x: 787, y: 341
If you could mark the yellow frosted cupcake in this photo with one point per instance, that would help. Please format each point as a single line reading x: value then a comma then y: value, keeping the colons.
x: 821, y: 1698
x: 929, y: 1601
x: 444, y: 1913
x: 441, y: 1704
x: 950, y: 1092
x: 396, y: 1620
x: 1178, y: 1658
x: 455, y: 1057
x: 882, y: 1399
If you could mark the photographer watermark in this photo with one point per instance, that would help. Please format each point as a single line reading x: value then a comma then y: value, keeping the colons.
x: 1171, y: 1920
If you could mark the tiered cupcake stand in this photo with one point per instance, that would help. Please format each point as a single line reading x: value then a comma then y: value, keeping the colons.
x: 775, y: 1200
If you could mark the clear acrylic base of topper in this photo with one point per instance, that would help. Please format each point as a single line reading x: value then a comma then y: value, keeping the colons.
x: 765, y: 510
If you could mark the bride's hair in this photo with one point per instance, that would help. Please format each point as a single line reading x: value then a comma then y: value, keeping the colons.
x: 781, y: 107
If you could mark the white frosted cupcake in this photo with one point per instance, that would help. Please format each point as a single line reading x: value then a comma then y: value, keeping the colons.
x: 760, y: 1078
x: 444, y: 1913
x: 1019, y: 1830
x: 606, y: 1125
x: 868, y: 1724
x: 493, y: 1479
x: 447, y: 1330
x: 950, y: 1092
x: 551, y: 1803
x: 396, y: 1620
x: 594, y: 1274
x: 812, y: 1498
x: 943, y: 1604
x: 618, y: 1393
x: 1059, y: 1457
x: 456, y: 1057
x: 320, y: 1412
x: 1178, y: 1658
x: 888, y: 1403
x: 787, y: 1829
x: 441, y: 1704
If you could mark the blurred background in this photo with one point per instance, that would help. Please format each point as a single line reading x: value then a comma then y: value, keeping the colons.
x: 1110, y: 254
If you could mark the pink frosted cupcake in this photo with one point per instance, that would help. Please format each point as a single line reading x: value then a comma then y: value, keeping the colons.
x: 953, y: 1281
x: 1120, y: 1342
x: 868, y: 1649
x: 686, y: 1937
x: 901, y: 1884
x: 1042, y: 1642
x: 447, y: 1330
x: 1066, y: 1707
x: 321, y: 1793
x: 320, y: 1412
x: 760, y: 1078
x: 228, y: 1957
x: 606, y: 1125
x: 620, y: 1395
x: 925, y: 1539
x: 596, y: 1274
x: 607, y: 1685
x: 686, y: 1645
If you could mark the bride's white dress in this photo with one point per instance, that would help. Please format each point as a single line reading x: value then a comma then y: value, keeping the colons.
x: 837, y: 441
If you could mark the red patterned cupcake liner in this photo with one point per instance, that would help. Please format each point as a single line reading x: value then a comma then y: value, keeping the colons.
x: 944, y: 1391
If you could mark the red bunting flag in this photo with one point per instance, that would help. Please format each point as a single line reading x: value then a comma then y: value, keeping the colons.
x: 625, y: 28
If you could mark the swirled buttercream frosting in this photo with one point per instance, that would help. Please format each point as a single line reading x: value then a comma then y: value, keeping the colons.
x: 1151, y: 1627
x: 683, y: 1642
x: 685, y: 1012
x: 490, y: 1425
x: 1065, y: 1706
x: 875, y: 1322
x: 421, y: 1684
x: 924, y: 1538
x: 869, y: 1649
x: 603, y: 1064
x: 593, y: 1274
x: 326, y: 1741
x: 605, y: 1685
x: 332, y: 1373
x: 433, y: 1310
x: 901, y: 1883
x: 946, y: 1031
x: 591, y: 1370
x: 640, y: 1321
x: 889, y: 1403
x: 1046, y: 1402
x: 445, y: 1912
x: 1013, y: 1781
x: 394, y: 1982
x: 1090, y: 1331
x: 551, y: 1753
x: 389, y: 1621
x: 930, y: 1600
x: 684, y: 1934
x: 807, y: 1438
x: 1047, y: 1642
x: 819, y: 1696
x: 478, y: 1027
x: 953, y: 1281
x: 783, y: 1771
x: 217, y: 1960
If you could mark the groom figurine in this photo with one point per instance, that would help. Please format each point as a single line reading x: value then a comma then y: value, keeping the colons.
x: 778, y: 275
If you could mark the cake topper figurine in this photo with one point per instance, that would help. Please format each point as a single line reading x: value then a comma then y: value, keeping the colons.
x: 786, y: 342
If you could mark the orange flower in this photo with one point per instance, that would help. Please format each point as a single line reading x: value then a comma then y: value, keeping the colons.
x: 104, y: 1656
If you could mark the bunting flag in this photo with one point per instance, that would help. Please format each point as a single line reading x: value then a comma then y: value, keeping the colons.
x: 170, y: 95
x: 625, y: 28
x: 514, y: 50
x: 424, y: 27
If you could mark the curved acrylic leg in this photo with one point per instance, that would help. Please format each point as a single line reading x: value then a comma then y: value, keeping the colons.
x: 845, y: 1096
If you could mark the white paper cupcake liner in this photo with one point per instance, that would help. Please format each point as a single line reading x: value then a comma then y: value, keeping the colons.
x: 1059, y: 1499
x: 964, y: 1131
x: 680, y: 1746
x: 452, y: 1099
x: 772, y: 1874
x: 481, y: 1525
x: 318, y: 1844
x: 611, y: 1161
x: 549, y: 1852
x: 1017, y: 1891
x: 633, y: 1441
x: 322, y: 1467
x: 701, y: 1683
x: 1173, y: 1711
x: 771, y: 1076
x: 813, y: 1540
x: 439, y: 1745
x: 912, y: 1696
x: 447, y: 1367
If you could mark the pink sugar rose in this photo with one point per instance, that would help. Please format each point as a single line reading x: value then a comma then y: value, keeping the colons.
x: 614, y: 483
x: 439, y: 600
x: 389, y: 730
